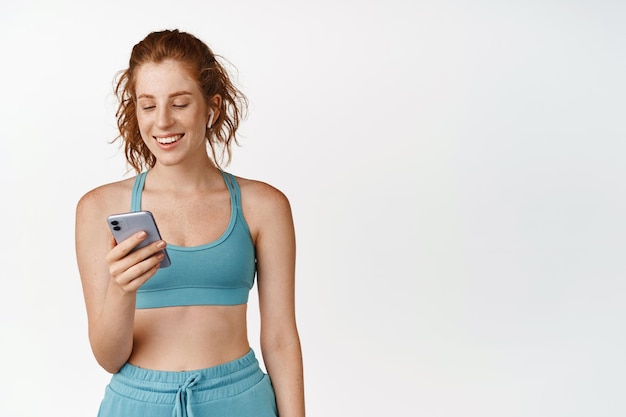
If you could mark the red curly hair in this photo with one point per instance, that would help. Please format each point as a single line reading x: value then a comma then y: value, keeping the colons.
x: 212, y: 79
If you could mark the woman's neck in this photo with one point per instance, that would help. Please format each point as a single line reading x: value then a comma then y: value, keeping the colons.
x: 184, y: 177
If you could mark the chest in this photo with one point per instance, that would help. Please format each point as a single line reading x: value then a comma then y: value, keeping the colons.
x: 190, y: 220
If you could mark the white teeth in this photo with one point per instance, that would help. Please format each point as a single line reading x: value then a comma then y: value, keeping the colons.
x: 169, y: 139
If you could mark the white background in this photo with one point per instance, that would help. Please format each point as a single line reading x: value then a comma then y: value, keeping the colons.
x: 455, y: 168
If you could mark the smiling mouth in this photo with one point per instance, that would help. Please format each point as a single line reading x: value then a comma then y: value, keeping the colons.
x: 168, y: 139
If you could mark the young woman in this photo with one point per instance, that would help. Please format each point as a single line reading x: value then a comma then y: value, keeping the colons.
x: 175, y: 339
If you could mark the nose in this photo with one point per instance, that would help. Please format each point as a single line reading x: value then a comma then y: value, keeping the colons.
x: 164, y: 117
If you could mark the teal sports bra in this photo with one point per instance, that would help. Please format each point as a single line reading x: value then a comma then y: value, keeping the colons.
x: 217, y: 273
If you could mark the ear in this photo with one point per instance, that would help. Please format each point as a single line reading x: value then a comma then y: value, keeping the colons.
x: 213, y: 109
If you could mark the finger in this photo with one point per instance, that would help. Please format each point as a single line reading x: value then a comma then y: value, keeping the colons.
x: 139, y: 273
x: 120, y: 261
x: 123, y: 248
x: 147, y: 251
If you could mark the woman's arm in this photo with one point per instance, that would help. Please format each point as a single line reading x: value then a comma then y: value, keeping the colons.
x: 280, y: 342
x: 110, y: 280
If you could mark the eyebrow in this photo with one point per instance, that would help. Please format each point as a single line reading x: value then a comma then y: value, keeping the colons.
x: 176, y: 94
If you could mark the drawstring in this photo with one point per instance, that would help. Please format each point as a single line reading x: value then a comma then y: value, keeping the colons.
x: 182, y: 407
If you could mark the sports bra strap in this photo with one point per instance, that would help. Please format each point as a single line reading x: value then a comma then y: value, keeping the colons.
x: 135, y: 203
x: 233, y: 189
x: 140, y: 180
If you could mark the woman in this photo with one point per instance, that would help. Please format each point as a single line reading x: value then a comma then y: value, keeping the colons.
x: 175, y: 338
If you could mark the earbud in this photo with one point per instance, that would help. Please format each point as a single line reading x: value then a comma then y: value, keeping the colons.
x: 210, y: 119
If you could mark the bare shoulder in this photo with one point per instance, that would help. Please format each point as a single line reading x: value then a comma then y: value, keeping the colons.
x: 92, y: 235
x: 264, y: 206
x: 105, y: 199
x: 261, y: 196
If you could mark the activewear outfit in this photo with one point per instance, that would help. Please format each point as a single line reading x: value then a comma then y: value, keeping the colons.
x: 217, y: 273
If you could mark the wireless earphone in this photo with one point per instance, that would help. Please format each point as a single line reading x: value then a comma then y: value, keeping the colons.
x: 210, y: 119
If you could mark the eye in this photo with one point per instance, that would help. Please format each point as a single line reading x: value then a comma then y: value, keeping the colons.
x: 180, y: 106
x: 147, y: 107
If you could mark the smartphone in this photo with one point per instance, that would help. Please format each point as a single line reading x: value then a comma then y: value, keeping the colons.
x: 124, y: 225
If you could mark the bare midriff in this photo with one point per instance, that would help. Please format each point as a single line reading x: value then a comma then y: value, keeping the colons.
x: 189, y: 337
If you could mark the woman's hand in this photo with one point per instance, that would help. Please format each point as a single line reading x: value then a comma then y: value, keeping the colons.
x: 130, y: 270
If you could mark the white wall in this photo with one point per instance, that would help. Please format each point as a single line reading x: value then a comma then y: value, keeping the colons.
x: 456, y: 171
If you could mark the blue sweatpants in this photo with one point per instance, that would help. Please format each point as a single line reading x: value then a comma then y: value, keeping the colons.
x: 237, y: 388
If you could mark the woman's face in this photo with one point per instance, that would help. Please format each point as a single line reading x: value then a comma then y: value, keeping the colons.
x: 171, y: 112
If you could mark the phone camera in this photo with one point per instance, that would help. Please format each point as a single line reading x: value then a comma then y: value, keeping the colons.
x: 115, y: 222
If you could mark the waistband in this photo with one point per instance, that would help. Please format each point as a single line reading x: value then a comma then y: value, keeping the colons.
x: 180, y: 388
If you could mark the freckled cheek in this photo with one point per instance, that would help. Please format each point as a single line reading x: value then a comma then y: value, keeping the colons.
x: 144, y: 126
x: 194, y: 123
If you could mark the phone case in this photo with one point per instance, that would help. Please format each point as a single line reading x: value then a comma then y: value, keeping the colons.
x: 124, y: 225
